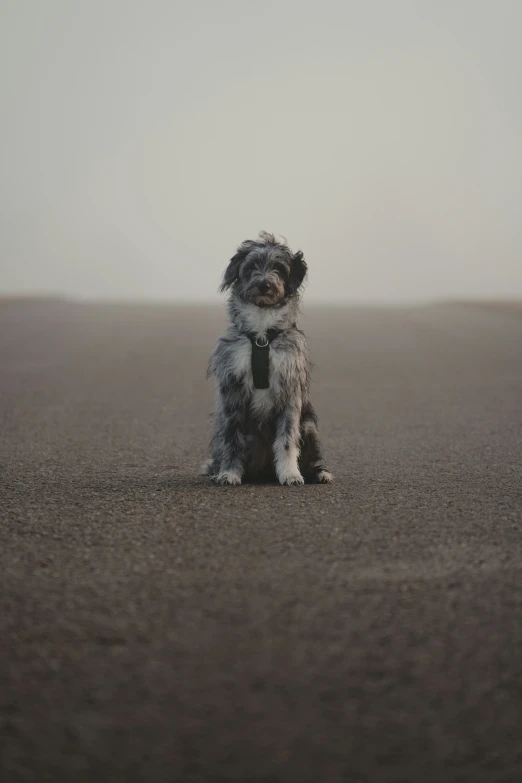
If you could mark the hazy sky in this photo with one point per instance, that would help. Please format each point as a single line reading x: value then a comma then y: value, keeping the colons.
x: 141, y: 141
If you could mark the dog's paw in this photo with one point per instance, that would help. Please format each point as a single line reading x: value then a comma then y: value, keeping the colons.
x: 207, y: 469
x: 228, y: 479
x: 291, y: 479
x: 324, y: 477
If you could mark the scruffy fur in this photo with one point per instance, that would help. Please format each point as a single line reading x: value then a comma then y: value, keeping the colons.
x: 261, y: 434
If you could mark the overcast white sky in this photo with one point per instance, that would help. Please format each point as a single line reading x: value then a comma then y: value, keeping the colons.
x: 142, y: 141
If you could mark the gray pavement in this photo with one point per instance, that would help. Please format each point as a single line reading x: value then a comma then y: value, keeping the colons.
x: 156, y: 628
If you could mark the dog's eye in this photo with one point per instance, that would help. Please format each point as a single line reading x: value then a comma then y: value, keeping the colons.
x: 281, y: 269
x: 246, y: 269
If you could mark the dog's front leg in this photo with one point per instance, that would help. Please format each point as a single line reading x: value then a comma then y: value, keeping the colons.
x: 311, y: 458
x: 286, y: 445
x: 233, y: 435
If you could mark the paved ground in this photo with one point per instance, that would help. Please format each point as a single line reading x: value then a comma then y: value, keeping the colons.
x: 155, y: 628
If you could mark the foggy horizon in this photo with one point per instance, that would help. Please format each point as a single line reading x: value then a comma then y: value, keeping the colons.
x: 141, y: 143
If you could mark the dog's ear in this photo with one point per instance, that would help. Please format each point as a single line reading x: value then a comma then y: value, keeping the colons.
x: 298, y: 272
x: 232, y: 271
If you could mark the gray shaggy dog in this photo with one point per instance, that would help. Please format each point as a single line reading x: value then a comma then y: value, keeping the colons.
x: 264, y: 424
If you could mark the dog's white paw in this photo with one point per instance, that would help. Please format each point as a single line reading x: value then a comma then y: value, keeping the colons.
x: 228, y: 479
x: 207, y: 469
x: 324, y: 477
x: 291, y: 479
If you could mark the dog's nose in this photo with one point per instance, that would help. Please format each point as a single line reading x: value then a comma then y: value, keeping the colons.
x: 263, y: 287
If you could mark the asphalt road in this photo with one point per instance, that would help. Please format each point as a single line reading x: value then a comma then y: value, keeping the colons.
x: 156, y: 628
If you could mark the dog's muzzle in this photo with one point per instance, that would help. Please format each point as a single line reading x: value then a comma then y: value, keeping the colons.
x: 263, y: 293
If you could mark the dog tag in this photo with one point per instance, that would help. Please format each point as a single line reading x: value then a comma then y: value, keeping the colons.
x: 260, y: 362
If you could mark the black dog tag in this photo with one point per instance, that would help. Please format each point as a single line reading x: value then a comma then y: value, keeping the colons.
x: 260, y: 362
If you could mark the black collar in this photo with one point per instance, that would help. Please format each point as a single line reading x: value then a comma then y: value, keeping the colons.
x: 261, y: 337
x: 263, y: 340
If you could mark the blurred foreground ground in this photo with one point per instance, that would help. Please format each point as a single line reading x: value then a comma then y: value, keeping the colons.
x: 156, y: 628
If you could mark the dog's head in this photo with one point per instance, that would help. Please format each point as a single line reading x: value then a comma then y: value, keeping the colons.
x: 265, y: 271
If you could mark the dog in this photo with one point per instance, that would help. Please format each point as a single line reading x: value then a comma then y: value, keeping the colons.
x: 264, y: 424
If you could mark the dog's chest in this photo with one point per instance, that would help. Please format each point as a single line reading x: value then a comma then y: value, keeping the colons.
x: 260, y: 321
x: 283, y: 371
